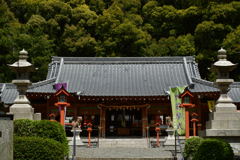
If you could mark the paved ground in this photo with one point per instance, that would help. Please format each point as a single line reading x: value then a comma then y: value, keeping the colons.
x: 84, y: 153
x: 122, y: 153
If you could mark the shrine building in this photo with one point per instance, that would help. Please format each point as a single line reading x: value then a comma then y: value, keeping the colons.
x: 120, y: 96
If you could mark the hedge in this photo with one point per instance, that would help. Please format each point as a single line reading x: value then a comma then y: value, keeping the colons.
x: 214, y: 149
x: 23, y: 127
x: 191, y: 147
x: 42, y: 128
x: 37, y: 148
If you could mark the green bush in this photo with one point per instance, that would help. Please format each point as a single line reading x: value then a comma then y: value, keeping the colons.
x: 42, y: 128
x: 191, y: 147
x: 37, y: 148
x: 214, y: 149
x: 228, y: 151
x: 49, y: 129
x: 52, y: 130
x: 23, y: 127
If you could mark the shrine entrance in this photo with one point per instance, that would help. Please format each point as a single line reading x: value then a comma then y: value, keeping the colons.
x: 124, y: 122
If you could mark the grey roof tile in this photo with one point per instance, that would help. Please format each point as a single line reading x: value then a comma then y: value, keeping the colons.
x: 9, y: 93
x: 234, y: 92
x: 123, y: 79
x: 43, y: 86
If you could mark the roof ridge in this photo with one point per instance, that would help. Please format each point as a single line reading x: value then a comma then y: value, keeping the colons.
x: 60, y: 69
x: 10, y: 85
x: 186, y: 69
x: 123, y: 59
x: 41, y: 83
x: 235, y: 85
x: 204, y: 82
x: 2, y: 89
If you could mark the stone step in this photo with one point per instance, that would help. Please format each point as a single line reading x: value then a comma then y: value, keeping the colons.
x: 79, y: 158
x: 122, y: 154
x: 123, y: 143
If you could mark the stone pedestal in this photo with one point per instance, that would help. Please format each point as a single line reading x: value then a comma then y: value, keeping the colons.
x: 78, y: 138
x: 21, y: 109
x: 224, y: 122
x: 170, y: 138
x: 6, y: 137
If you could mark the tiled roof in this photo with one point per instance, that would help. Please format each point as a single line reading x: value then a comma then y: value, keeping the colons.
x: 234, y: 93
x: 43, y: 86
x: 120, y: 76
x: 8, y: 93
x: 201, y: 85
x: 127, y: 76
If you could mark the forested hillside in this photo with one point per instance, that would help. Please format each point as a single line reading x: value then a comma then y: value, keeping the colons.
x: 118, y: 28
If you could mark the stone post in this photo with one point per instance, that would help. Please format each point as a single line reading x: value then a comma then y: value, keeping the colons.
x: 21, y: 109
x: 6, y: 137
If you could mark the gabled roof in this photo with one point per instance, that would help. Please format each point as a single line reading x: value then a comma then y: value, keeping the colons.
x: 123, y: 76
x: 120, y: 76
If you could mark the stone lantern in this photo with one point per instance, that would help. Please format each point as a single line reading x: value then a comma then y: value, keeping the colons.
x: 223, y: 67
x: 21, y: 107
x: 224, y: 122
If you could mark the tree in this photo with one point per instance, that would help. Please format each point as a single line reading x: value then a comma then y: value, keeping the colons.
x: 223, y: 13
x: 163, y: 19
x: 77, y: 42
x: 209, y: 35
x: 8, y: 32
x: 172, y: 46
x: 82, y: 16
x: 232, y: 45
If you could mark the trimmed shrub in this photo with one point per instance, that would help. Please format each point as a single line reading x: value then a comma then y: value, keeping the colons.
x: 49, y: 129
x: 23, y: 127
x: 37, y: 148
x: 214, y: 149
x: 42, y: 128
x: 52, y: 130
x: 191, y: 147
x: 228, y: 151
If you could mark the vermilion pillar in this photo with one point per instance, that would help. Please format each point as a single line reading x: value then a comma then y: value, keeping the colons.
x: 62, y: 115
x: 194, y: 120
x: 62, y: 106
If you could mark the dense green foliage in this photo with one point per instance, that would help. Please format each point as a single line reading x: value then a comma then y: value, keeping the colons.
x: 23, y: 127
x: 117, y: 28
x: 37, y: 148
x: 214, y: 149
x: 191, y: 147
x: 43, y: 128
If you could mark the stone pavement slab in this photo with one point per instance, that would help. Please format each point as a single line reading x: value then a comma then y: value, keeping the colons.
x: 122, y: 153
